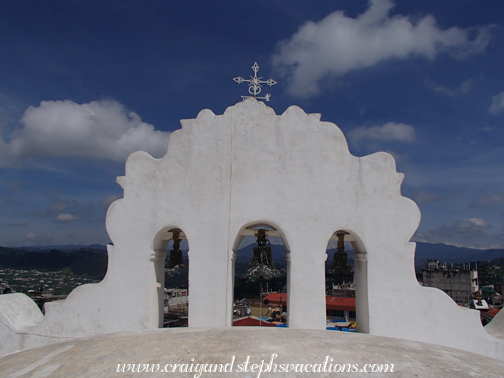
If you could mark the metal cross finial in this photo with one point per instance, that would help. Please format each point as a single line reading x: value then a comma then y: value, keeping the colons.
x: 255, y: 84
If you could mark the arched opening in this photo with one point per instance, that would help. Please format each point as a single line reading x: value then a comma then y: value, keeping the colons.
x: 261, y: 269
x: 171, y: 266
x: 346, y: 284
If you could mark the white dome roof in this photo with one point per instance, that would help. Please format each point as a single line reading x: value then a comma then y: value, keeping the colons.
x: 99, y: 356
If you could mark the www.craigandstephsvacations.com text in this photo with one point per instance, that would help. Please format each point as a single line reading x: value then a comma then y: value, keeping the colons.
x: 197, y: 369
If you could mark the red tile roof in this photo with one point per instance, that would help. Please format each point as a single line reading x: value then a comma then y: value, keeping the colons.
x: 274, y: 298
x: 332, y: 303
x: 251, y: 322
x: 340, y: 303
x: 493, y: 311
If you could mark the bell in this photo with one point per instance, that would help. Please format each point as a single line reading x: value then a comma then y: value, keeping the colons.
x: 262, y: 263
x: 176, y: 261
x: 340, y: 266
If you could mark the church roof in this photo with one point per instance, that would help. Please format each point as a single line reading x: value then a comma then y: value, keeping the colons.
x: 101, y: 356
x: 332, y: 303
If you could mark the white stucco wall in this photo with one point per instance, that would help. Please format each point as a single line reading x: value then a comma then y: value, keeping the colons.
x: 222, y: 173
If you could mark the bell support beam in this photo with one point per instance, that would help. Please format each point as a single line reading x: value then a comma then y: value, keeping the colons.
x: 348, y: 237
x: 169, y: 236
x: 253, y: 232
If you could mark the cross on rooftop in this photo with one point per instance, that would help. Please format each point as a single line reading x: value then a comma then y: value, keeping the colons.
x: 255, y: 84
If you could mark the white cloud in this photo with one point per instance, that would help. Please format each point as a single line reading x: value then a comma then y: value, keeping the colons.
x: 488, y: 201
x: 466, y: 232
x: 425, y: 196
x: 467, y: 86
x: 442, y: 89
x: 464, y: 88
x: 497, y: 103
x: 339, y: 44
x: 105, y: 202
x: 34, y: 239
x: 9, y: 110
x: 58, y: 206
x: 30, y: 235
x: 99, y: 129
x: 388, y: 132
x: 471, y: 225
x: 65, y: 218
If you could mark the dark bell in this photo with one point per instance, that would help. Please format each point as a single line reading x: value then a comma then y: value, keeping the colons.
x: 340, y: 268
x: 176, y: 261
x: 262, y: 262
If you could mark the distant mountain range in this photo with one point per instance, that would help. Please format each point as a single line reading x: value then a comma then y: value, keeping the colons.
x: 424, y: 251
x: 64, y: 247
x: 91, y: 260
x: 82, y: 261
x: 452, y: 254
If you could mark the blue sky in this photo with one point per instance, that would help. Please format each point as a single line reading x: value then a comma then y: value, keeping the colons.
x: 85, y: 83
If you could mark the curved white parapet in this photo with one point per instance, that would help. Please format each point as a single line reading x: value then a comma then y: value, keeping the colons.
x: 496, y: 326
x: 19, y: 317
x: 222, y: 173
x: 19, y: 312
x: 261, y: 352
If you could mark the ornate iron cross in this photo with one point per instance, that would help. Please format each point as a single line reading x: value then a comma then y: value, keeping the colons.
x: 255, y: 84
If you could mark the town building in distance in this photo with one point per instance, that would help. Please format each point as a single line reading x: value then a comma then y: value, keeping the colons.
x: 460, y: 283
